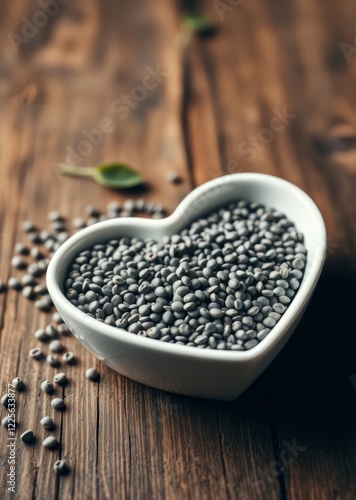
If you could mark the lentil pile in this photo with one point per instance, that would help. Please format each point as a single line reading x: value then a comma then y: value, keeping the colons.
x: 222, y: 283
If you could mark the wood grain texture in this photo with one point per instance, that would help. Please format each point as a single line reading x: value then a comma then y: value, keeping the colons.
x: 209, y: 114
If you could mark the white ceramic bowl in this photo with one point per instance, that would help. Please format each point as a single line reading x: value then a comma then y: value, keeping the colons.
x: 195, y: 372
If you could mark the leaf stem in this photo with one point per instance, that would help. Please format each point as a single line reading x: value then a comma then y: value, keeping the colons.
x: 74, y: 170
x: 183, y: 37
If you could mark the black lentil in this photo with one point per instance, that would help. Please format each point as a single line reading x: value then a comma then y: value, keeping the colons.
x: 56, y: 346
x: 14, y: 283
x: 47, y: 386
x: 221, y: 283
x: 60, y: 467
x: 92, y: 374
x: 47, y: 423
x: 28, y: 437
x: 69, y: 358
x: 5, y: 400
x: 18, y: 384
x: 52, y: 359
x: 36, y: 353
x: 60, y: 378
x: 58, y: 404
x: 50, y: 442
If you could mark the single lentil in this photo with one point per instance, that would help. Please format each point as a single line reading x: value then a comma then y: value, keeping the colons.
x: 5, y: 422
x: 28, y: 226
x: 14, y: 283
x: 62, y: 329
x: 47, y: 387
x: 51, y: 331
x: 56, y: 346
x: 36, y: 253
x: 21, y: 249
x: 173, y: 177
x: 60, y: 378
x: 36, y: 353
x: 18, y: 262
x: 28, y: 437
x: 43, y: 305
x: 18, y: 383
x: 57, y: 318
x: 60, y: 467
x: 58, y: 404
x: 47, y: 423
x: 52, y: 359
x: 5, y: 400
x: 69, y: 358
x: 50, y: 442
x: 40, y: 289
x: 28, y: 292
x: 78, y: 223
x: 28, y: 280
x: 92, y: 374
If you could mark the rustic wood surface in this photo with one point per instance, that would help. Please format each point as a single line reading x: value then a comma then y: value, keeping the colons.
x: 124, y: 440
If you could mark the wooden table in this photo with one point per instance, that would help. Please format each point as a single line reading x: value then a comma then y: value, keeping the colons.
x: 202, y: 114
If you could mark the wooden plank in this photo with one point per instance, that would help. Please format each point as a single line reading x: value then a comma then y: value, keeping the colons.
x: 266, y: 77
x: 122, y: 439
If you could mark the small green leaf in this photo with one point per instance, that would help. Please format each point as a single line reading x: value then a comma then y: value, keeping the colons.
x: 115, y: 175
x: 197, y: 23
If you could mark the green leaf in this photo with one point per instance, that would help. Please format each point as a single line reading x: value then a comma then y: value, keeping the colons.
x: 115, y: 175
x: 197, y: 23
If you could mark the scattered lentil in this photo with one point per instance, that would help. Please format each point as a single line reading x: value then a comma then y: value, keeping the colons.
x: 18, y: 262
x: 6, y: 421
x: 60, y: 378
x: 47, y: 387
x: 51, y: 332
x: 173, y: 177
x: 50, y: 442
x: 43, y: 304
x: 36, y: 253
x: 5, y: 400
x: 36, y: 353
x: 92, y: 374
x: 40, y: 289
x: 28, y: 437
x: 14, y: 283
x: 34, y: 237
x: 57, y: 318
x: 69, y: 358
x: 18, y: 384
x: 58, y: 404
x: 61, y: 467
x: 28, y: 226
x: 21, y: 249
x: 28, y: 292
x: 47, y: 423
x: 78, y: 223
x: 56, y: 346
x: 52, y: 359
x: 28, y: 280
x: 62, y: 329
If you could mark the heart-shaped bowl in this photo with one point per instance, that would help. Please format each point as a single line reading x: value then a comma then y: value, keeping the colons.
x: 205, y: 373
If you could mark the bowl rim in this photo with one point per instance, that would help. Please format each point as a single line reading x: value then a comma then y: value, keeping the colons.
x: 117, y: 334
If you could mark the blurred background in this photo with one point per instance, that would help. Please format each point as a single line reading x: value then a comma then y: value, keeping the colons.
x: 198, y: 89
x: 86, y: 81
